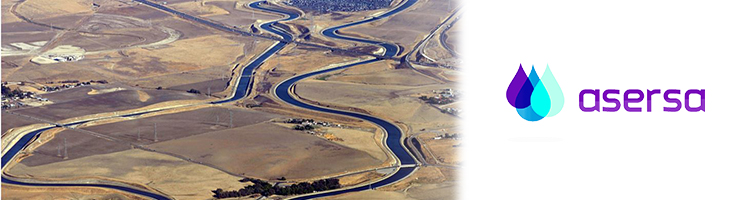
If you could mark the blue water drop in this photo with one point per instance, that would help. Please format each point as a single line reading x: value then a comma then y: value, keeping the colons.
x: 533, y: 76
x: 528, y: 114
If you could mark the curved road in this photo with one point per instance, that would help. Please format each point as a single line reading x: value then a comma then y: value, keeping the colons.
x: 444, y: 38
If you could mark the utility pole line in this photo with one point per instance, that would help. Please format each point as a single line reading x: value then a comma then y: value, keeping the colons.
x: 156, y: 139
x: 65, y: 145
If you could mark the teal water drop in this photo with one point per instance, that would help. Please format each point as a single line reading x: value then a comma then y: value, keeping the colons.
x: 554, y: 92
x: 540, y: 101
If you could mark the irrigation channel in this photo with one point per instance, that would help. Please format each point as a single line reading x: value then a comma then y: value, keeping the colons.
x: 407, y: 162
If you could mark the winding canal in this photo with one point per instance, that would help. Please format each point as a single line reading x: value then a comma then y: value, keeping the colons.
x: 393, y: 133
x: 282, y: 91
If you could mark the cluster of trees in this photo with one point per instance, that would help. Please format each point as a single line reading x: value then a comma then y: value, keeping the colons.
x: 304, y: 127
x: 323, y: 77
x: 194, y: 91
x: 264, y: 188
x: 436, y: 100
x: 7, y: 92
x: 305, y: 187
x: 299, y: 121
x: 451, y: 136
x: 76, y: 81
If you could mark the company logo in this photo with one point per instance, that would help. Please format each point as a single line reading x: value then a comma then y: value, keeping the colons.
x: 535, y: 98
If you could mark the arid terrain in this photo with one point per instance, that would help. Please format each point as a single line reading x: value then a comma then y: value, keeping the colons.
x: 38, y: 193
x: 132, y: 95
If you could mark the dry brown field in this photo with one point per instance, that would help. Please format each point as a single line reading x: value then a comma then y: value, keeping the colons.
x: 45, y: 9
x: 175, y: 177
x: 426, y: 184
x: 124, y: 42
x: 435, y: 50
x: 252, y: 148
x: 108, y: 102
x: 394, y: 102
x: 168, y: 127
x: 8, y: 17
x: 12, y: 121
x: 231, y: 13
x: 359, y: 139
x: 383, y: 73
x: 127, y: 9
x: 270, y: 151
x: 45, y: 193
x: 445, y: 151
x: 409, y: 26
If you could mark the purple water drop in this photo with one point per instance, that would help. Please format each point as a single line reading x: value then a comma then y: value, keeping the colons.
x: 519, y: 85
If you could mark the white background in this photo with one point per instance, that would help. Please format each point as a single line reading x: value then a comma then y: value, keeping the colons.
x: 607, y: 45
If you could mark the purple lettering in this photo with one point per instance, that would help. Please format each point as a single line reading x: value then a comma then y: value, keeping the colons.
x: 649, y: 93
x: 611, y: 100
x: 672, y: 100
x: 596, y: 100
x: 702, y: 107
x: 629, y: 100
x: 614, y: 103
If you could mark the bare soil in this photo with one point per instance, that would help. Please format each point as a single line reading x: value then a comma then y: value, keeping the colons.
x: 42, y: 9
x: 175, y: 177
x: 108, y: 102
x: 270, y: 151
x: 239, y: 14
x: 397, y: 103
x: 215, y: 85
x: 12, y: 121
x: 141, y: 12
x: 444, y: 150
x: 382, y: 73
x: 42, y: 193
x: 168, y: 127
x: 407, y: 27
